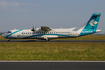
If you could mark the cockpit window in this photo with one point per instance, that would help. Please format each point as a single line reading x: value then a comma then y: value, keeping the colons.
x: 9, y: 32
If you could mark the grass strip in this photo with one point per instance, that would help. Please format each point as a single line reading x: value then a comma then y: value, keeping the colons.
x: 52, y: 51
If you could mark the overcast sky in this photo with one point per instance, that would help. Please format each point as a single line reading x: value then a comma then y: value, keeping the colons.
x: 21, y: 14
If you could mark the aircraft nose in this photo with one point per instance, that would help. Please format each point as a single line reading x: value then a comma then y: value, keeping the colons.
x: 4, y: 35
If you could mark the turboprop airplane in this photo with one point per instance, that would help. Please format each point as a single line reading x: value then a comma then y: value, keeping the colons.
x: 46, y: 33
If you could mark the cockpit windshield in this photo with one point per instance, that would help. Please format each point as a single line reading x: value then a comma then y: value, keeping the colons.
x: 9, y: 32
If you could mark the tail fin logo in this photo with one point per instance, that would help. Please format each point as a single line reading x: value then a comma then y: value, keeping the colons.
x: 93, y: 23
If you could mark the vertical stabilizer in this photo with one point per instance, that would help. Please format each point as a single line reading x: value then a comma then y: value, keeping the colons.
x: 93, y: 22
x: 91, y: 25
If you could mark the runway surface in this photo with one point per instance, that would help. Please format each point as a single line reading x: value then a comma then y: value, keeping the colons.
x: 71, y: 65
x: 88, y: 41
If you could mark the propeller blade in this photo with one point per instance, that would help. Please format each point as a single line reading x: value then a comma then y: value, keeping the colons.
x: 33, y: 28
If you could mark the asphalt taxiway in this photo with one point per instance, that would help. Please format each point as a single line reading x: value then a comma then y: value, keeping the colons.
x: 52, y: 65
x: 88, y: 41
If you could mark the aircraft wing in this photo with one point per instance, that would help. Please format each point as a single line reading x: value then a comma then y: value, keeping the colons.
x: 45, y: 28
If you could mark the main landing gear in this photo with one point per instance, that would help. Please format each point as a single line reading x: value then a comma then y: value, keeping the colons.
x: 46, y: 39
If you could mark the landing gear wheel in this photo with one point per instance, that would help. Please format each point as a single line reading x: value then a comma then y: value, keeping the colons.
x: 8, y: 40
x: 47, y: 40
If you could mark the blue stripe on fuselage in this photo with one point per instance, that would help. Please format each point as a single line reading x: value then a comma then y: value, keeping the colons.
x: 14, y: 33
x: 86, y: 32
x: 48, y: 34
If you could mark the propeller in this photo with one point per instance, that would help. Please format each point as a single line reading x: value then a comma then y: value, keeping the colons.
x: 33, y: 28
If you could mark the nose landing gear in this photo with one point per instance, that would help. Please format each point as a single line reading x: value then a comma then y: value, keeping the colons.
x: 8, y: 40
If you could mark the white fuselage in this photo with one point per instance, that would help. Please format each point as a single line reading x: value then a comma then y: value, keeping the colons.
x: 27, y: 33
x: 38, y: 34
